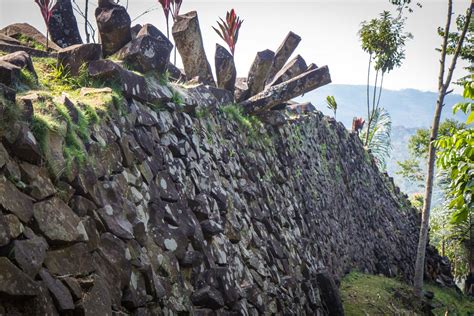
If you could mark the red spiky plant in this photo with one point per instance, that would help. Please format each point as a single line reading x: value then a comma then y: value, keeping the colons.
x: 47, y: 8
x: 229, y: 29
x: 357, y: 124
x: 173, y: 7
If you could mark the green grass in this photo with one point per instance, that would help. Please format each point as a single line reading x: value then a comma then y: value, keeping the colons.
x: 28, y: 41
x: 364, y: 294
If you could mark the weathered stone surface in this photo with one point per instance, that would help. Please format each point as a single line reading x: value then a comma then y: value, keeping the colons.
x: 9, y: 73
x: 76, y: 56
x: 115, y: 222
x: 208, y: 297
x: 329, y: 293
x: 25, y: 30
x: 242, y: 91
x: 59, y: 291
x: 58, y: 222
x: 8, y: 94
x: 29, y: 254
x: 301, y: 108
x: 25, y: 146
x: 295, y: 67
x: 225, y: 69
x: 146, y: 53
x: 39, y: 185
x: 12, y: 200
x: 188, y: 39
x: 285, y: 91
x: 133, y: 85
x: 73, y: 260
x: 97, y: 300
x: 63, y: 25
x: 20, y: 59
x: 259, y: 71
x: 114, y: 26
x: 282, y: 54
x: 14, y: 282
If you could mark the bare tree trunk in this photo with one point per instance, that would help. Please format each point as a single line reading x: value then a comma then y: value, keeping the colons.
x: 86, y: 19
x: 368, y: 97
x: 442, y: 88
x: 371, y: 115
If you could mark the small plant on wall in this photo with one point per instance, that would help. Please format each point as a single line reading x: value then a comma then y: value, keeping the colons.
x: 47, y: 8
x: 229, y: 29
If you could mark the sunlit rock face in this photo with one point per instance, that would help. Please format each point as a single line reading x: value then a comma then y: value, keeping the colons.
x: 175, y: 211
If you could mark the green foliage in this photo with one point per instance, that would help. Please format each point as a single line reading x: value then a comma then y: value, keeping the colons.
x: 177, y: 98
x: 456, y: 157
x: 384, y: 39
x: 378, y: 136
x: 249, y: 123
x: 410, y: 169
x: 331, y: 104
x: 164, y: 78
x: 30, y: 42
x: 364, y: 294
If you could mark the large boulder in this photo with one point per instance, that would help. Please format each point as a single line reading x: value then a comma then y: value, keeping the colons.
x: 74, y: 57
x: 225, y: 69
x: 188, y: 39
x: 15, y: 202
x: 14, y: 282
x: 9, y: 73
x: 146, y: 53
x: 63, y: 25
x: 114, y: 26
x: 58, y: 222
x: 28, y: 36
x: 20, y: 59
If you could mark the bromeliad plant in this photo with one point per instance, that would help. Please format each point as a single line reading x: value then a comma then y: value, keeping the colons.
x: 229, y: 29
x: 47, y: 8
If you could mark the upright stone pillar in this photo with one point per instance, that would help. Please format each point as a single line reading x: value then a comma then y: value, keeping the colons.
x: 63, y: 25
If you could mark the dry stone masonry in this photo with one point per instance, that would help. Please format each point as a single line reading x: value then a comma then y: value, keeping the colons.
x: 184, y: 205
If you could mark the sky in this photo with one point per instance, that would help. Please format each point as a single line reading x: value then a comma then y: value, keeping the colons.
x: 328, y: 30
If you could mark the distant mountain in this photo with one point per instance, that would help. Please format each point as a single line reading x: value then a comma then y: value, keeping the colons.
x: 409, y: 107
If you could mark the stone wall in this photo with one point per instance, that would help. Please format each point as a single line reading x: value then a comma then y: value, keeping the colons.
x: 175, y: 214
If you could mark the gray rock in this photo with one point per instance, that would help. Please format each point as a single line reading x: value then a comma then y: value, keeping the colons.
x: 259, y: 71
x: 208, y: 297
x: 39, y: 185
x: 76, y: 56
x: 282, y: 54
x: 295, y: 67
x: 14, y: 282
x: 75, y: 260
x: 59, y: 291
x: 225, y: 69
x: 114, y: 27
x: 9, y: 73
x: 14, y: 201
x: 116, y: 222
x: 18, y: 30
x: 29, y: 254
x: 20, y: 59
x: 58, y: 222
x: 188, y: 39
x: 146, y: 53
x: 63, y: 25
x: 285, y: 91
x: 97, y: 301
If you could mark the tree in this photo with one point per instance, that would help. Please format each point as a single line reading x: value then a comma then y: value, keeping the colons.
x: 444, y: 82
x: 384, y: 40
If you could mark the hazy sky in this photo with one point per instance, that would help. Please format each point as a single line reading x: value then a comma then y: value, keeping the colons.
x: 328, y: 30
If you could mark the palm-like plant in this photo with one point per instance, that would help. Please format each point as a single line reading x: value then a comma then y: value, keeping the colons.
x: 47, y: 8
x: 173, y: 7
x: 378, y: 136
x: 332, y: 104
x: 229, y: 29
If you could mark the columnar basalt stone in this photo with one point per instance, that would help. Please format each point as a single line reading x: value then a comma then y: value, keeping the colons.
x: 9, y: 73
x: 20, y: 59
x: 188, y: 39
x: 259, y: 71
x: 285, y: 91
x: 301, y: 108
x: 294, y: 68
x: 146, y: 53
x: 282, y: 54
x: 63, y: 25
x: 114, y: 26
x: 76, y: 56
x: 225, y: 69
